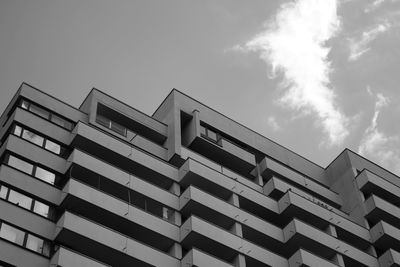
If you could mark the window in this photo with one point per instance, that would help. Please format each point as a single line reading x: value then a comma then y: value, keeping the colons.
x: 20, y: 200
x: 53, y: 147
x: 3, y: 192
x: 39, y: 111
x: 39, y: 140
x: 38, y: 172
x: 45, y: 175
x: 12, y: 234
x: 42, y: 209
x: 209, y: 134
x: 32, y: 137
x: 20, y: 164
x: 26, y: 202
x: 48, y: 115
x: 106, y: 122
x: 24, y: 239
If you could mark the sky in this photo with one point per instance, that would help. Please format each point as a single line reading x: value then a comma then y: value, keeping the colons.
x: 316, y: 76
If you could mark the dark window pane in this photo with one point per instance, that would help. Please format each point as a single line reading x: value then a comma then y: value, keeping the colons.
x: 20, y: 164
x: 12, y: 234
x: 118, y: 128
x: 53, y: 147
x: 45, y: 175
x: 60, y: 121
x: 39, y: 111
x: 32, y: 137
x: 20, y: 200
x: 103, y: 121
x: 202, y: 130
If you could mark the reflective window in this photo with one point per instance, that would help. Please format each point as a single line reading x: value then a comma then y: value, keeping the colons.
x: 34, y: 243
x: 202, y: 130
x: 3, y: 192
x: 53, y: 147
x: 24, y: 104
x: 32, y: 137
x: 39, y: 111
x: 12, y: 234
x: 41, y: 209
x: 20, y: 164
x: 106, y: 122
x: 17, y: 130
x: 45, y: 175
x: 60, y: 121
x: 20, y: 200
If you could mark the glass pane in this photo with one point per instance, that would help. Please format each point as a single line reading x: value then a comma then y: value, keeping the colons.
x: 17, y: 130
x: 32, y: 137
x: 202, y: 130
x: 41, y: 209
x: 3, y: 191
x: 60, y: 121
x: 212, y: 135
x: 34, y: 243
x: 39, y: 111
x: 20, y: 199
x: 118, y: 128
x: 53, y: 147
x: 24, y: 104
x: 12, y: 234
x: 20, y: 164
x: 46, y: 248
x: 44, y: 175
x: 103, y: 121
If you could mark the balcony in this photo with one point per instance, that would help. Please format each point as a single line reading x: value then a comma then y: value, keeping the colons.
x: 390, y: 258
x: 196, y: 257
x: 106, y: 245
x: 270, y: 168
x: 305, y: 258
x: 225, y: 153
x: 123, y: 155
x: 196, y: 202
x: 224, y: 245
x: 119, y: 215
x: 19, y: 256
x: 67, y: 258
x: 294, y: 206
x: 385, y: 236
x: 127, y: 180
x: 378, y: 209
x: 370, y: 183
x: 301, y: 235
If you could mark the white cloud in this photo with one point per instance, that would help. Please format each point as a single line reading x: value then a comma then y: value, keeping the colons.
x: 295, y: 44
x: 272, y: 122
x: 377, y: 145
x: 359, y: 46
x: 374, y: 5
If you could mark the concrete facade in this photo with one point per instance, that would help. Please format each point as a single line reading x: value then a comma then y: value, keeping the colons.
x: 107, y: 185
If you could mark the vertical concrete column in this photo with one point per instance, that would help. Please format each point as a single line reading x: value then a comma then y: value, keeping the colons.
x: 234, y: 200
x: 257, y: 176
x: 236, y: 228
x: 239, y: 261
x: 176, y: 251
x: 338, y: 258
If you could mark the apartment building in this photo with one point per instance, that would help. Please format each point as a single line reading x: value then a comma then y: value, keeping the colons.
x: 107, y: 185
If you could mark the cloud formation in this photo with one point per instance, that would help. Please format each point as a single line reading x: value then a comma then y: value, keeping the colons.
x: 377, y: 145
x: 294, y: 43
x: 359, y: 46
x: 272, y: 122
